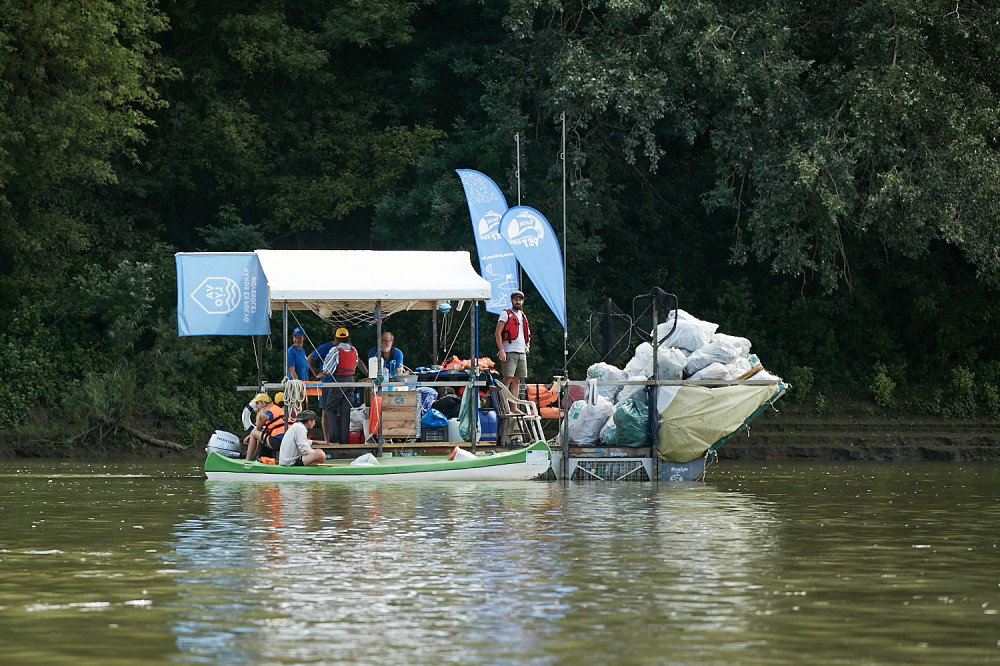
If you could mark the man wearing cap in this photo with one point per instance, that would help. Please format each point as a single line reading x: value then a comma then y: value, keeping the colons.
x: 296, y: 449
x: 513, y: 338
x: 335, y: 362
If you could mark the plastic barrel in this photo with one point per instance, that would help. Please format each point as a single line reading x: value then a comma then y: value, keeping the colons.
x: 454, y: 431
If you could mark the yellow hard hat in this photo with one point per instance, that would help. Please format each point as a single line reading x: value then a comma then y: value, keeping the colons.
x: 279, y: 396
x: 262, y: 397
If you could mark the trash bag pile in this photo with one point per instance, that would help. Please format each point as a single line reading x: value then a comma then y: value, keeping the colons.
x: 615, y: 414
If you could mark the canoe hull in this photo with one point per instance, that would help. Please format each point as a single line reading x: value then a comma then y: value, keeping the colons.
x: 518, y: 465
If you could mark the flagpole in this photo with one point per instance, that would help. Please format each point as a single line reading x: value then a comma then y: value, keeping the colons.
x: 517, y: 149
x: 517, y: 158
x: 564, y: 244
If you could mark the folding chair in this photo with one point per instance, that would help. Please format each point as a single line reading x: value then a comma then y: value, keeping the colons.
x: 526, y: 426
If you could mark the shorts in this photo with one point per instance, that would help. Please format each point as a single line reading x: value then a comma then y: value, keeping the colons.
x: 273, y: 444
x: 516, y: 365
x: 297, y: 462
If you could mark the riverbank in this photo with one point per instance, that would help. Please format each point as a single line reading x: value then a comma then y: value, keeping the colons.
x: 849, y: 431
x: 858, y: 432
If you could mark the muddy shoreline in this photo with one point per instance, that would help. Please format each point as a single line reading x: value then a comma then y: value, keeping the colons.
x: 794, y: 432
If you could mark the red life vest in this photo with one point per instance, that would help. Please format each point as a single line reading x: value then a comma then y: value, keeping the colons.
x: 347, y: 362
x: 275, y: 426
x: 510, y: 329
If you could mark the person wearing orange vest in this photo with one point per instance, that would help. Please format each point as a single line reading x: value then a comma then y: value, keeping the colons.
x: 271, y: 426
x: 513, y: 338
x: 339, y: 361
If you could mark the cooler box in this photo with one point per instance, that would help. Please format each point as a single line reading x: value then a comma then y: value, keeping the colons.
x: 488, y: 426
x: 355, y: 437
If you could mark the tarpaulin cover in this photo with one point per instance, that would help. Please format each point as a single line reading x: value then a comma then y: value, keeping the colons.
x: 698, y: 416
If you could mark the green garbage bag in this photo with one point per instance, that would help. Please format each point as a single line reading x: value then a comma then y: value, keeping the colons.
x: 630, y: 424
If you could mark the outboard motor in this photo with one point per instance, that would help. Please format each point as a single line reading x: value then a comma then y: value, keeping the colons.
x: 224, y: 443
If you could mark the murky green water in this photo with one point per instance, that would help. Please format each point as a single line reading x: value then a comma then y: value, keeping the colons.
x: 776, y: 564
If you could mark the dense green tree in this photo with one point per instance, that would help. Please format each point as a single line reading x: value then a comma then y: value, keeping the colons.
x: 285, y: 120
x: 821, y: 177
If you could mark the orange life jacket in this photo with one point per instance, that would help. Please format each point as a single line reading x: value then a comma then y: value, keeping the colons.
x: 510, y: 329
x: 275, y: 426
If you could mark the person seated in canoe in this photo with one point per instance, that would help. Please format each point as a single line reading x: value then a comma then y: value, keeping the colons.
x: 296, y: 448
x: 392, y: 356
x: 257, y: 403
x: 267, y: 435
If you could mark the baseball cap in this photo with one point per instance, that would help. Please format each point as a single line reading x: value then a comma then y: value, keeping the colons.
x: 517, y: 292
x: 299, y: 331
x: 341, y: 333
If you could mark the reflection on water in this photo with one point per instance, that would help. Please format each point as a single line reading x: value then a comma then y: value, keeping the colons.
x: 486, y: 573
x: 761, y: 564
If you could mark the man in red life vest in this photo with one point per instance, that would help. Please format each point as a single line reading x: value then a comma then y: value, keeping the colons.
x: 513, y: 338
x: 337, y: 362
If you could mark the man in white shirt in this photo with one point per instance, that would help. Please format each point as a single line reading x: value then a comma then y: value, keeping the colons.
x: 513, y: 338
x: 296, y: 448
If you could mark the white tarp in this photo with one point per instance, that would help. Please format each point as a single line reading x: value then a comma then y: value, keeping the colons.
x: 333, y: 280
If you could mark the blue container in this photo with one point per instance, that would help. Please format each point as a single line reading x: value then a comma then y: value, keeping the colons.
x: 488, y: 426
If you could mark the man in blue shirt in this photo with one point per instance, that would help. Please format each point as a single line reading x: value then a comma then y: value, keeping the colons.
x: 392, y: 356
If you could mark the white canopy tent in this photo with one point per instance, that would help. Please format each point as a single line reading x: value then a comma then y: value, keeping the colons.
x: 362, y: 287
x: 334, y: 283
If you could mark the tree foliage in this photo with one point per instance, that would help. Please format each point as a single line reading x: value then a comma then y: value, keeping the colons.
x: 821, y: 177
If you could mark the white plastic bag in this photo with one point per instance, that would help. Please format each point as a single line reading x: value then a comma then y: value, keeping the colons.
x: 608, y: 429
x: 587, y: 419
x: 365, y: 459
x: 740, y: 345
x: 637, y: 391
x: 712, y: 371
x: 670, y: 362
x: 608, y: 375
x: 722, y: 350
x: 691, y: 333
x: 358, y: 417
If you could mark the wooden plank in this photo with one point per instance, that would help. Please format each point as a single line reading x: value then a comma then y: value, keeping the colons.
x: 405, y: 412
x: 408, y: 433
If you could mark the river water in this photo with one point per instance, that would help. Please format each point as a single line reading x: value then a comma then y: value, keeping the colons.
x: 777, y: 563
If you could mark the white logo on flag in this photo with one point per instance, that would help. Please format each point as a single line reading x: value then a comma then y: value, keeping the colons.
x: 525, y: 229
x: 217, y: 295
x: 489, y: 226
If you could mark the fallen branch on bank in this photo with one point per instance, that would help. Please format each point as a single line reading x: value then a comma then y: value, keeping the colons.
x: 153, y: 441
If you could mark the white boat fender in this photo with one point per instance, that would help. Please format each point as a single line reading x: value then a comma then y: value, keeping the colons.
x: 366, y: 459
x: 459, y: 453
